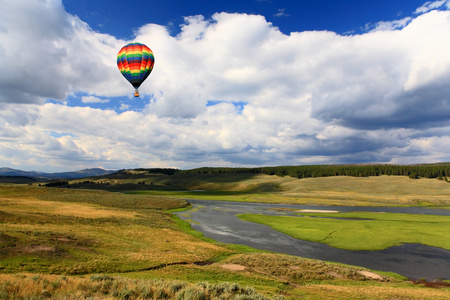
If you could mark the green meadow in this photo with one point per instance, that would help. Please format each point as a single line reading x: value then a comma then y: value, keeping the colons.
x: 361, y: 230
x: 116, y: 238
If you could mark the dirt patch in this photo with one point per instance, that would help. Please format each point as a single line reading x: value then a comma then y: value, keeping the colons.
x: 63, y: 239
x: 234, y: 267
x: 371, y: 275
x: 336, y: 275
x: 83, y: 248
x: 39, y: 248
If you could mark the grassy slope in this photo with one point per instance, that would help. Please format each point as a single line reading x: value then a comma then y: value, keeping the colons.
x: 342, y: 190
x: 67, y: 231
x: 339, y: 190
x: 75, y: 232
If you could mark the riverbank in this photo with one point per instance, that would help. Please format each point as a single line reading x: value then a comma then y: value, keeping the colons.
x: 218, y: 220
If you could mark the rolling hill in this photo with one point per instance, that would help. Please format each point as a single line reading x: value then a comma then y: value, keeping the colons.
x: 50, y: 176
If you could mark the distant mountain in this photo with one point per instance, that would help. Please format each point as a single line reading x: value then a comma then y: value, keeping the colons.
x: 14, y: 172
x: 60, y: 175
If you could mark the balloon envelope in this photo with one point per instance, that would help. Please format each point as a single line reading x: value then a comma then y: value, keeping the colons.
x: 135, y: 62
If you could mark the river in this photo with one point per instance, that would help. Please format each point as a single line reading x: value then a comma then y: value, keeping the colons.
x: 217, y: 220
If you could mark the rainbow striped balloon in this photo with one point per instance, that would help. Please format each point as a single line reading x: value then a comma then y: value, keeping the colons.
x: 135, y: 62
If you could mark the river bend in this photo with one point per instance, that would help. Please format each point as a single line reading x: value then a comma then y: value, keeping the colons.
x: 217, y: 220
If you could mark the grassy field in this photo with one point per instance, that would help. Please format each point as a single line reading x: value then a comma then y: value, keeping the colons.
x: 77, y: 244
x: 76, y: 232
x: 361, y: 230
x: 338, y: 190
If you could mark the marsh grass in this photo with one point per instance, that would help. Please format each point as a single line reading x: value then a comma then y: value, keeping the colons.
x: 362, y: 230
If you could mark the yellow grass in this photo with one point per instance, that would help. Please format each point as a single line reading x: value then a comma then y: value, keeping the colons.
x: 330, y: 291
x: 379, y: 190
x: 57, y: 234
x: 338, y: 190
x: 101, y: 286
x: 128, y: 244
x: 32, y: 205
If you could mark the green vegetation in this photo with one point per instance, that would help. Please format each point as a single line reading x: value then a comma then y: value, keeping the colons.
x: 336, y: 190
x: 174, y: 179
x: 361, y: 230
x: 68, y: 243
x: 16, y: 179
x: 440, y: 170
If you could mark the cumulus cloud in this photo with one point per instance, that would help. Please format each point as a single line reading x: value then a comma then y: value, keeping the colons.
x: 227, y: 90
x: 388, y: 78
x: 48, y: 53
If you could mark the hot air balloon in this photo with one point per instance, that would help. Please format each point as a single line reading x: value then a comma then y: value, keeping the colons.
x: 135, y: 62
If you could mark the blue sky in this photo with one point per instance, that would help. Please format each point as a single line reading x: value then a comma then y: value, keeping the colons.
x: 235, y: 83
x: 119, y: 18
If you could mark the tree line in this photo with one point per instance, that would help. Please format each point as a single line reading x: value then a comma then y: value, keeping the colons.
x: 440, y: 170
x: 166, y: 171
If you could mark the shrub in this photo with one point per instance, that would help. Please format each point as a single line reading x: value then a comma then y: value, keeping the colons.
x: 191, y: 293
x: 101, y: 277
x: 175, y: 286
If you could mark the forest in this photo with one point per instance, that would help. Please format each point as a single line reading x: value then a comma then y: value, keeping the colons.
x: 439, y: 170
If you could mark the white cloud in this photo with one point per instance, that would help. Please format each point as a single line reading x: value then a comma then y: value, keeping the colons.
x: 92, y: 99
x: 390, y: 25
x: 430, y: 5
x: 49, y: 53
x: 307, y: 97
x: 124, y: 106
x: 402, y: 23
x: 281, y: 13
